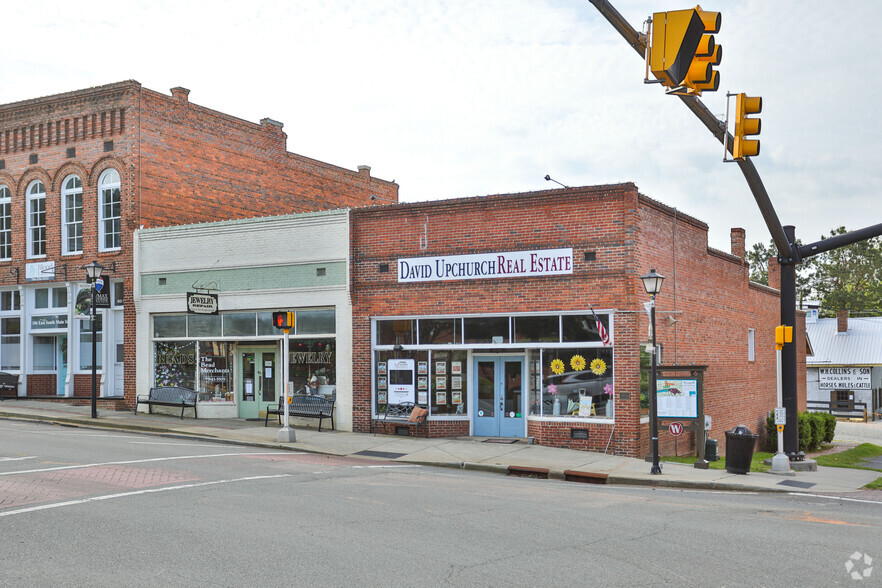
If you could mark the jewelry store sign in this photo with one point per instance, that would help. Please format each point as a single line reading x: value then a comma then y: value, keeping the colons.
x: 201, y: 303
x: 842, y: 378
x: 509, y: 264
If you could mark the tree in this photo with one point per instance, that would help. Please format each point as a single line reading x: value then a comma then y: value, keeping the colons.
x: 850, y: 277
x: 758, y: 258
x: 847, y: 278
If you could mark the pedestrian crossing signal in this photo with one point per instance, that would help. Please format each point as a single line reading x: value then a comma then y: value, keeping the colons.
x: 283, y: 319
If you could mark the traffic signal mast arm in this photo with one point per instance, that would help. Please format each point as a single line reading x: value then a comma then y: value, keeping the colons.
x: 713, y: 124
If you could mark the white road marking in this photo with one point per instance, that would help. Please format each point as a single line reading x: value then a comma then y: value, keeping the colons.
x: 151, y: 460
x: 17, y: 458
x: 8, y: 513
x: 834, y: 497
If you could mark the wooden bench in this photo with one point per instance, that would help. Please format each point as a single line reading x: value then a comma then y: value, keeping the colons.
x: 8, y: 383
x: 168, y: 396
x: 402, y: 415
x: 304, y: 405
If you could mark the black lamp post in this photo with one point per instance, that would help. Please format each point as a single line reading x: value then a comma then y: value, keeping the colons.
x: 93, y: 272
x: 652, y: 282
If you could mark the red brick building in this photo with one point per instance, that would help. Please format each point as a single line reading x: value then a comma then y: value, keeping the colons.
x: 81, y: 171
x: 486, y: 310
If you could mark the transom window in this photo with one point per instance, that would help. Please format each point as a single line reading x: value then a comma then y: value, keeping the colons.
x: 5, y: 223
x: 523, y: 330
x: 109, y: 211
x: 36, y: 221
x: 72, y: 215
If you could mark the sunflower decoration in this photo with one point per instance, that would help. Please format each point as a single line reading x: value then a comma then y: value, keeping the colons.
x: 598, y: 367
x: 577, y: 362
x: 557, y: 366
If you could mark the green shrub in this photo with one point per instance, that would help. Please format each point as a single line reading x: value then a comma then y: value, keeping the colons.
x: 805, y: 431
x: 815, y: 428
x: 819, y: 429
x: 831, y: 426
x: 771, y: 439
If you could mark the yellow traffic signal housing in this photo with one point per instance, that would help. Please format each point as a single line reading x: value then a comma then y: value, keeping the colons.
x: 681, y: 55
x: 783, y: 334
x: 744, y: 126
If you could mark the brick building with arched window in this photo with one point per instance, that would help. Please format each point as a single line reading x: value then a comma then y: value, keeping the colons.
x: 81, y: 171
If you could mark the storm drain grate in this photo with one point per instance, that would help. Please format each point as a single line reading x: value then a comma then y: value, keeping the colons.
x: 796, y: 484
x: 383, y: 454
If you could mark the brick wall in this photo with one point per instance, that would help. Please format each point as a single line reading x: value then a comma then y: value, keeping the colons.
x: 178, y: 162
x: 617, y: 235
x: 200, y: 165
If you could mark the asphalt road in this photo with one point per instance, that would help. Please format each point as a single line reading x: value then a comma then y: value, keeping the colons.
x: 91, y: 508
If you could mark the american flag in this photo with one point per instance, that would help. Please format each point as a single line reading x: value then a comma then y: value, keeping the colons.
x: 601, y: 330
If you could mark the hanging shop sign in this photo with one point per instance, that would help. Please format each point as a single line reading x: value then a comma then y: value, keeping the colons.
x: 844, y: 378
x: 201, y: 303
x: 509, y: 264
x: 39, y: 271
x: 102, y: 292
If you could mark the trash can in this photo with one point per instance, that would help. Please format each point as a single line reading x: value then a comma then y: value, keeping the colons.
x: 739, y: 449
x: 710, y: 450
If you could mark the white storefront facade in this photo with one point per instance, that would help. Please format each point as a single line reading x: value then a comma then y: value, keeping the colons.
x: 205, y: 295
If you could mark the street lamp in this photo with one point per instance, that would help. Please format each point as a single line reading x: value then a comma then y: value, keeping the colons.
x: 652, y: 282
x: 93, y: 272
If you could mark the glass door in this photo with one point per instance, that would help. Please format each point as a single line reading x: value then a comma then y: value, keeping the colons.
x: 258, y: 381
x: 499, y: 396
x: 62, y: 365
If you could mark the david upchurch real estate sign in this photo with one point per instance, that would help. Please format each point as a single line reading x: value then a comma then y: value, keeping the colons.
x: 509, y: 264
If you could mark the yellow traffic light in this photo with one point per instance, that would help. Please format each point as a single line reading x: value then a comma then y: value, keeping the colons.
x: 681, y: 55
x: 744, y: 126
x: 702, y: 77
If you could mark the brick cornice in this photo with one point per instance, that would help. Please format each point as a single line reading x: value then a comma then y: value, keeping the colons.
x: 45, y: 106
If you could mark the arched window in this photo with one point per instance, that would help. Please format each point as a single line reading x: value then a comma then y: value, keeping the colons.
x: 72, y: 215
x: 109, y: 211
x: 5, y: 223
x: 36, y: 222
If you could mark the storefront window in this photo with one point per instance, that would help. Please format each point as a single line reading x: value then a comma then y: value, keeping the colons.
x: 314, y: 322
x: 449, y: 374
x: 10, y: 300
x: 10, y: 343
x: 175, y: 364
x: 397, y: 332
x: 240, y: 324
x: 86, y: 342
x: 578, y: 328
x: 265, y: 325
x: 537, y: 329
x: 413, y: 385
x: 490, y: 329
x: 215, y: 371
x: 204, y: 325
x: 576, y: 382
x: 313, y: 366
x: 439, y: 331
x: 170, y: 326
x: 44, y: 353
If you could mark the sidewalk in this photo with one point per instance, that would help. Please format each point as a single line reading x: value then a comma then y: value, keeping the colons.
x: 469, y: 453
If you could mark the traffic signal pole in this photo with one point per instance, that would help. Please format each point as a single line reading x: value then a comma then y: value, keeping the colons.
x: 789, y: 253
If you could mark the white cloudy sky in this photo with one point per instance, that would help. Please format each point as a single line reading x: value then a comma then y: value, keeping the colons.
x: 472, y: 97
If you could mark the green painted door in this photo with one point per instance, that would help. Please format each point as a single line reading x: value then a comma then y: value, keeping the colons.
x: 258, y: 382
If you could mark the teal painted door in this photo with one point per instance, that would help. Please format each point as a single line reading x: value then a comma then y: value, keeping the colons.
x: 498, y: 396
x: 258, y: 381
x: 62, y: 364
